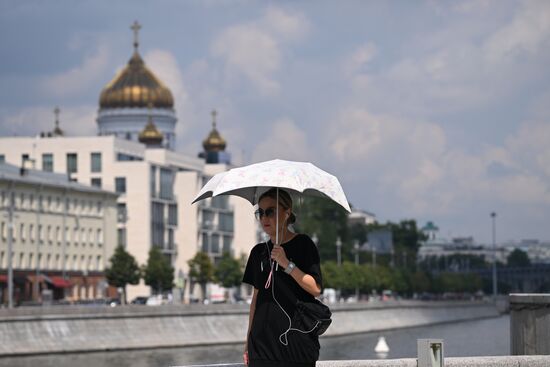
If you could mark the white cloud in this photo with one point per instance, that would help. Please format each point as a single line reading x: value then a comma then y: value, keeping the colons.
x: 528, y: 32
x: 31, y: 121
x: 471, y: 62
x: 79, y: 78
x: 285, y: 140
x: 411, y: 163
x: 254, y: 49
x: 165, y: 66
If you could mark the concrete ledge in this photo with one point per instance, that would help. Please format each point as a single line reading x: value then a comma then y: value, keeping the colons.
x: 501, y: 361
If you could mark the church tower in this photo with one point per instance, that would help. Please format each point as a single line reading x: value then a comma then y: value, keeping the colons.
x: 133, y: 99
x: 214, y: 146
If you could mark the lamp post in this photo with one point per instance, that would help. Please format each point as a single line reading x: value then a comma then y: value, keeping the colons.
x: 339, y: 251
x: 356, y: 249
x: 10, y: 245
x: 493, y: 218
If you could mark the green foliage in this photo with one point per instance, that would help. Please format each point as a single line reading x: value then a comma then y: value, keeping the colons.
x: 328, y: 221
x: 124, y: 270
x: 158, y: 273
x: 518, y: 258
x: 201, y: 270
x: 228, y: 273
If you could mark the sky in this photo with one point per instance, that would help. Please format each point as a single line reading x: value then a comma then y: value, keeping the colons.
x: 430, y: 110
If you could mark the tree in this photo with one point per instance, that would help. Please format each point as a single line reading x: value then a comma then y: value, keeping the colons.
x: 228, y: 273
x: 124, y: 270
x: 158, y: 273
x: 201, y: 271
x: 328, y: 221
x: 518, y: 258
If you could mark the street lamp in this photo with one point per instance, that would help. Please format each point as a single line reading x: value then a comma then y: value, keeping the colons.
x: 356, y: 248
x: 493, y: 218
x: 339, y: 251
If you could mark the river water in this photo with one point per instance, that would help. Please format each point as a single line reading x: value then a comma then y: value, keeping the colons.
x: 484, y: 337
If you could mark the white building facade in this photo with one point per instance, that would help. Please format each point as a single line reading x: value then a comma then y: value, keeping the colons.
x: 62, y: 234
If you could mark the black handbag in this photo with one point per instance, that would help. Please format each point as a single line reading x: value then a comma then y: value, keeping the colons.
x: 312, y: 317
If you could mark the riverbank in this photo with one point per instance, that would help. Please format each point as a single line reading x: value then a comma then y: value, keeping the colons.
x: 85, y: 329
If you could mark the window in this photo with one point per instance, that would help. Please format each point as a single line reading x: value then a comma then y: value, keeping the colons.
x: 153, y: 181
x: 2, y: 158
x: 121, y: 237
x: 47, y: 162
x: 99, y: 237
x: 227, y: 244
x: 215, y: 244
x: 49, y: 234
x: 22, y: 232
x: 76, y: 236
x: 121, y: 212
x: 157, y: 224
x: 96, y: 182
x: 72, y: 163
x: 99, y: 208
x: 91, y: 236
x: 31, y: 232
x: 95, y: 162
x: 83, y: 236
x: 173, y: 214
x: 166, y: 183
x: 40, y: 233
x: 225, y: 222
x: 120, y: 185
x: 58, y: 234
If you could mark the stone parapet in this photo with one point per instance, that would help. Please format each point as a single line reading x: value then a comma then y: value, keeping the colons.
x: 500, y: 361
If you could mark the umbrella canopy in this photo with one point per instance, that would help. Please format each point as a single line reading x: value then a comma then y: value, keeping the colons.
x: 249, y: 182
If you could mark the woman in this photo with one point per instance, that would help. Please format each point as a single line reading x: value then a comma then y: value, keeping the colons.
x: 281, y: 274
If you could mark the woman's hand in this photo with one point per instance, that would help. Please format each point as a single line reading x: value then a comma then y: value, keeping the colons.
x: 278, y: 254
x: 245, y: 356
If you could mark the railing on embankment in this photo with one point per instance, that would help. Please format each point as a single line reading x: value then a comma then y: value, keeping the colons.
x: 78, y: 329
x: 504, y: 361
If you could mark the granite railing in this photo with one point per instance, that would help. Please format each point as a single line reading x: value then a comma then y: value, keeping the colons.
x: 500, y: 361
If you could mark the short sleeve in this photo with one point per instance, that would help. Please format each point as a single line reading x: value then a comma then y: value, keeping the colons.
x: 251, y: 273
x: 312, y: 262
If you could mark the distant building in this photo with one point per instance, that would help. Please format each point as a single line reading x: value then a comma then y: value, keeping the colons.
x: 361, y: 217
x: 134, y: 156
x: 63, y: 234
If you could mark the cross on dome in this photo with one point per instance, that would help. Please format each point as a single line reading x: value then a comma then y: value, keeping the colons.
x: 136, y: 27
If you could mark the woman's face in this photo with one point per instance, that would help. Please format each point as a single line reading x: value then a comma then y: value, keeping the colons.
x: 267, y: 207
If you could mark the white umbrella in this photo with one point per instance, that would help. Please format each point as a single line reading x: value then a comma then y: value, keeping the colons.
x: 249, y: 182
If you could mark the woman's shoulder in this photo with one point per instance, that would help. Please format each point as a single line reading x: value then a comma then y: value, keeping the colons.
x: 304, y: 238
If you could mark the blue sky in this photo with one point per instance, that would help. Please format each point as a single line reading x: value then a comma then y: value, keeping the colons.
x: 433, y: 110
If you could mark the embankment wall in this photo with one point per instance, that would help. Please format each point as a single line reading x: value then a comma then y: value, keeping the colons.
x: 79, y: 329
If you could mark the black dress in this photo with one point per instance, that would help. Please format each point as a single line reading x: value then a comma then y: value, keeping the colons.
x: 270, y: 322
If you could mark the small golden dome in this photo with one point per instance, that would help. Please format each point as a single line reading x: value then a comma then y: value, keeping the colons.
x: 150, y: 134
x: 214, y: 142
x: 135, y: 86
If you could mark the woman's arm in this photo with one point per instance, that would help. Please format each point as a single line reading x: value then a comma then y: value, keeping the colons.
x: 250, y: 318
x: 304, y: 280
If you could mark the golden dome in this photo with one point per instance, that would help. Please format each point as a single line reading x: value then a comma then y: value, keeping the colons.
x: 150, y: 134
x: 135, y: 86
x: 214, y: 142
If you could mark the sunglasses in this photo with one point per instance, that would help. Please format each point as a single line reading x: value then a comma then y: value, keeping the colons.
x: 268, y: 213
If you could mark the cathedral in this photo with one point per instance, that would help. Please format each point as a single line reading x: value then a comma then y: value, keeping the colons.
x: 134, y: 155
